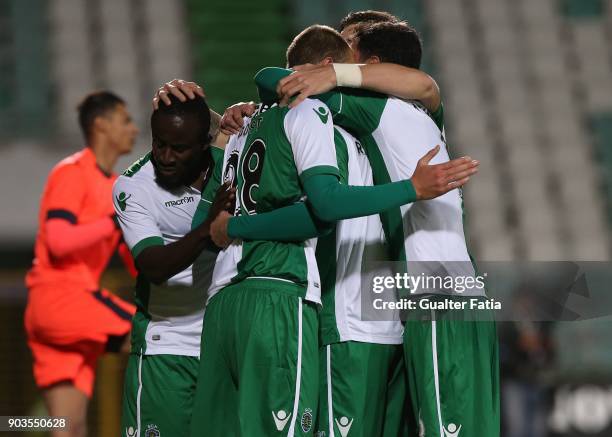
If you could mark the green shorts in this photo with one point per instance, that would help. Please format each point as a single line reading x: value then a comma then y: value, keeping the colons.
x: 363, y: 390
x: 453, y: 374
x: 259, y: 363
x: 158, y: 395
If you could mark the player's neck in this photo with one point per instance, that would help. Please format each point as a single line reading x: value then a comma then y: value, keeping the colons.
x: 198, y: 184
x: 204, y: 174
x: 106, y: 156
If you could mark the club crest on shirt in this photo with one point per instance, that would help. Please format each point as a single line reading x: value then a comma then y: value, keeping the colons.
x: 306, y: 421
x: 152, y: 431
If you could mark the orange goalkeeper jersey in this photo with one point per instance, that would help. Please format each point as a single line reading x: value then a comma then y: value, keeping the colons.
x: 78, y: 191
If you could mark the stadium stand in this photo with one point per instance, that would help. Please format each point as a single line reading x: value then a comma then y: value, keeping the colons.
x: 72, y: 54
x: 521, y: 68
x: 5, y: 59
x: 227, y: 56
x: 602, y: 129
x: 24, y: 82
x: 107, y: 43
x: 582, y: 8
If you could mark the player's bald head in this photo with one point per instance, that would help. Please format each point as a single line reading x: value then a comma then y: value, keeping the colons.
x: 317, y: 43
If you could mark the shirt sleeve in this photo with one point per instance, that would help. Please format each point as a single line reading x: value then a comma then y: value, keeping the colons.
x: 266, y: 80
x: 210, y: 189
x: 65, y: 193
x: 214, y: 182
x: 438, y: 117
x: 138, y: 224
x: 309, y: 129
x: 331, y: 201
x: 356, y: 110
x: 290, y: 223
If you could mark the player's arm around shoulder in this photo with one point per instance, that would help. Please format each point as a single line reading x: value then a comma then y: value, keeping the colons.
x: 138, y: 217
x: 403, y: 82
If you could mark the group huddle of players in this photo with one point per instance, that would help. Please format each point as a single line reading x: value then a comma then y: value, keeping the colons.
x: 250, y: 235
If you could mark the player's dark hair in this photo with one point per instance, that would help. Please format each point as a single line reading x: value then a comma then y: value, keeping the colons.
x: 316, y: 43
x: 94, y: 105
x: 367, y: 17
x: 196, y: 107
x: 397, y: 43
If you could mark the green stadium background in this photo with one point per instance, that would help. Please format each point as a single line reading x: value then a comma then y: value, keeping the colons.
x: 528, y: 91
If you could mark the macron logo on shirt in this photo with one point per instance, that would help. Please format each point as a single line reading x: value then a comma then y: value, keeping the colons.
x: 184, y: 200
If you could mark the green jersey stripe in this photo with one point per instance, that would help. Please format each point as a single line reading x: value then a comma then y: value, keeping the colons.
x: 392, y: 221
x: 147, y: 242
x: 135, y: 167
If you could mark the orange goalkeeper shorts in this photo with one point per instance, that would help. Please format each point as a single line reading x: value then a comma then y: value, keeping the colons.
x: 68, y: 330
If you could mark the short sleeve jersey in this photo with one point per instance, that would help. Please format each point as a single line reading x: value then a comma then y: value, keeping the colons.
x: 169, y: 316
x: 78, y: 191
x: 267, y: 162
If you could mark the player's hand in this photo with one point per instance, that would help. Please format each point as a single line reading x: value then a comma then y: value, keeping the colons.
x: 218, y: 230
x: 307, y: 80
x: 233, y: 117
x: 225, y: 199
x: 431, y: 181
x: 179, y: 88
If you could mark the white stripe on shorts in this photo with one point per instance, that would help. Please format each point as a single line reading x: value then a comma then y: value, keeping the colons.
x: 434, y: 352
x: 138, y: 394
x: 330, y: 403
x: 298, y: 376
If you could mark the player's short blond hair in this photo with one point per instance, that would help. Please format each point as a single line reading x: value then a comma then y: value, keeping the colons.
x: 316, y: 43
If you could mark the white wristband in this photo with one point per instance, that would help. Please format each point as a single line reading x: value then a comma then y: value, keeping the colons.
x: 348, y: 75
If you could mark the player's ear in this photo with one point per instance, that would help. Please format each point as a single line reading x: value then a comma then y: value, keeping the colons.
x: 327, y: 60
x: 100, y: 124
x: 373, y: 60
